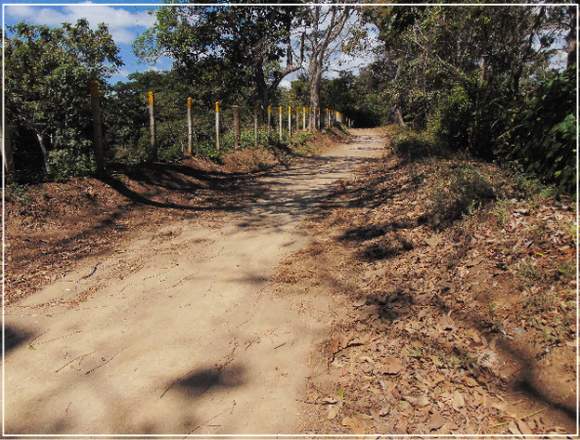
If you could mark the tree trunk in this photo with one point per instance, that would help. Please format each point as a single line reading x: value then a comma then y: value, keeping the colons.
x: 326, y: 29
x: 314, y: 92
x: 42, y: 146
x: 399, y: 117
x: 262, y: 92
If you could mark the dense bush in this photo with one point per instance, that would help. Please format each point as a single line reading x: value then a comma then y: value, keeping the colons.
x: 48, y: 72
x: 69, y: 162
x: 543, y: 134
x: 485, y: 80
x: 451, y: 120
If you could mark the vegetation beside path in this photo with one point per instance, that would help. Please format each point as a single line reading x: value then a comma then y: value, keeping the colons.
x: 456, y: 287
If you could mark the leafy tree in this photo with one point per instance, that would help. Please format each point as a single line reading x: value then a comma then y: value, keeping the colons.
x: 127, y: 120
x: 323, y: 34
x: 226, y: 53
x: 473, y: 75
x: 47, y: 76
x: 542, y: 133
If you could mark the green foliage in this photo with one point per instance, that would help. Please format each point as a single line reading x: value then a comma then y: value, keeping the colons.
x: 501, y: 211
x: 529, y: 185
x: 47, y: 77
x: 234, y: 52
x: 482, y: 80
x: 68, y: 162
x: 543, y: 137
x: 451, y: 120
x: 301, y: 138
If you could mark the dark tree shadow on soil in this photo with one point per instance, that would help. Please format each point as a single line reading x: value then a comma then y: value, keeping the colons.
x: 14, y: 337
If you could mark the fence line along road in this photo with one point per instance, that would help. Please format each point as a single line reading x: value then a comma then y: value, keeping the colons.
x: 295, y: 114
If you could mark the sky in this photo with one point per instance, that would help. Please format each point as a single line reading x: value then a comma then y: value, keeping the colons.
x: 125, y: 24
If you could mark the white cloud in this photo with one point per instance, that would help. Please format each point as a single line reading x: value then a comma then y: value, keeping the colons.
x: 121, y: 22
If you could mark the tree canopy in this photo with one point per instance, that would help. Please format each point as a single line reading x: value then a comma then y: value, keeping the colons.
x: 47, y: 78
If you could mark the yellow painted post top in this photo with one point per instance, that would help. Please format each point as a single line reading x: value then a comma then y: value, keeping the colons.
x: 269, y: 109
x: 189, y: 102
x: 217, y: 106
x: 289, y: 109
x: 280, y: 109
x: 150, y: 97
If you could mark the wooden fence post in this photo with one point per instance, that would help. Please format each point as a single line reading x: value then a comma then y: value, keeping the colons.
x: 236, y: 110
x: 303, y: 117
x: 152, y: 137
x: 289, y: 122
x: 280, y: 122
x: 217, y: 125
x: 189, y: 127
x: 97, y: 126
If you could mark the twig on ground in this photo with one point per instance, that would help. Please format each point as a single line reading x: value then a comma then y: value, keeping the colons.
x: 72, y: 360
x: 354, y: 343
x: 535, y: 413
x: 104, y: 363
x: 90, y: 274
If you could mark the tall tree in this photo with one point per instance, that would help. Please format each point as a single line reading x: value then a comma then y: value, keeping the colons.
x: 236, y: 52
x: 47, y: 76
x: 323, y: 34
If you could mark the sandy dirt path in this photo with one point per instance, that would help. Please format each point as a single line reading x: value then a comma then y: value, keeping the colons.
x: 180, y: 332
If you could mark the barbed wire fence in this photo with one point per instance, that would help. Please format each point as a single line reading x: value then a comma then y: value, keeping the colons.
x: 223, y: 128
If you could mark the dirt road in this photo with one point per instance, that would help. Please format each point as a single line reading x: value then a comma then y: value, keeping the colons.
x: 180, y: 331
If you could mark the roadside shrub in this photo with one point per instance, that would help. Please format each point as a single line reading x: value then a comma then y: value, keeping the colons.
x: 542, y: 137
x: 465, y: 191
x: 450, y: 122
x: 411, y: 145
x: 301, y: 138
x: 66, y: 163
x: 171, y: 139
x: 530, y: 186
x: 132, y: 153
